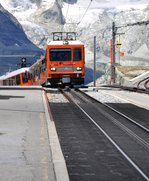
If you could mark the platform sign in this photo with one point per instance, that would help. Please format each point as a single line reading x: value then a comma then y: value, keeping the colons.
x: 122, y: 54
x: 119, y: 44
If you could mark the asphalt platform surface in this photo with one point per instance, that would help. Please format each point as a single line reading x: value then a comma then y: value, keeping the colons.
x: 25, y: 154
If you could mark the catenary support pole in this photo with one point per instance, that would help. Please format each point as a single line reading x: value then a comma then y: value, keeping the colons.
x: 113, y: 54
x: 94, y: 61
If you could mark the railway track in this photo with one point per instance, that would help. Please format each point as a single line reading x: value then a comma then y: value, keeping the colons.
x: 98, y: 142
x: 127, y: 112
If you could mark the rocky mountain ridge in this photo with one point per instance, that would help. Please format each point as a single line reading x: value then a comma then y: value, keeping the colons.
x: 41, y: 17
x: 13, y: 42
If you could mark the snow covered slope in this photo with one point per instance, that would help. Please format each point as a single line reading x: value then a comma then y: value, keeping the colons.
x: 41, y: 17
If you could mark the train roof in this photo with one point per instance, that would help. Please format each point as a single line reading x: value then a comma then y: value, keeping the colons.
x: 14, y: 73
x: 37, y: 62
x: 76, y: 42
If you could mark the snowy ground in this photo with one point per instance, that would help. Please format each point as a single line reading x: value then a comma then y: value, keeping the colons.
x: 110, y: 95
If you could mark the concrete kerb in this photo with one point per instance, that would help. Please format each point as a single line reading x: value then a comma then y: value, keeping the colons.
x: 61, y: 173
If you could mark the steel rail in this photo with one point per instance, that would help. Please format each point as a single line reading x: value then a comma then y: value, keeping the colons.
x: 123, y: 115
x: 109, y: 138
x: 131, y: 120
x: 120, y: 125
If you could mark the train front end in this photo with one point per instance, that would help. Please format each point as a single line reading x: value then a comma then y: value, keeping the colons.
x: 65, y: 62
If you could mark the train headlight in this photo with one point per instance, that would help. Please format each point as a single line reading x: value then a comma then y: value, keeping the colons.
x: 79, y: 68
x: 53, y: 69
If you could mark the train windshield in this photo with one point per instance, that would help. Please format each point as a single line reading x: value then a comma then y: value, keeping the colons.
x: 60, y: 54
x: 77, y: 54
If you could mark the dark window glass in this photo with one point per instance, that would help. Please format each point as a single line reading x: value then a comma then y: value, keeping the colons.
x: 60, y: 54
x: 4, y: 82
x: 25, y: 77
x: 77, y: 54
x: 18, y: 79
x: 43, y: 65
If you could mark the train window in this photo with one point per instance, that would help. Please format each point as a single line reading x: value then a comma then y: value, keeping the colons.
x: 77, y: 54
x: 44, y: 61
x: 39, y: 71
x: 43, y: 65
x: 5, y: 82
x: 36, y: 71
x: 24, y: 77
x: 60, y: 54
x: 18, y: 79
x: 30, y: 76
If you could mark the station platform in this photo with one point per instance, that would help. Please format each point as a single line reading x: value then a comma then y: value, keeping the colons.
x: 29, y: 147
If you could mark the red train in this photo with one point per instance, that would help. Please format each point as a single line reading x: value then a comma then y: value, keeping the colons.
x: 63, y: 63
x: 18, y: 77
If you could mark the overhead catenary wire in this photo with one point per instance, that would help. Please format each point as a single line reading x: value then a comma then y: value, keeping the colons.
x: 134, y: 24
x: 85, y: 12
x: 68, y: 7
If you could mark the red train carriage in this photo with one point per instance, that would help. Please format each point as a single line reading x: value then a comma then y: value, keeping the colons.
x: 38, y: 72
x: 63, y: 63
x: 20, y: 77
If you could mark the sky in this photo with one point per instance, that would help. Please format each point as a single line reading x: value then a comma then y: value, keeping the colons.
x: 115, y: 3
